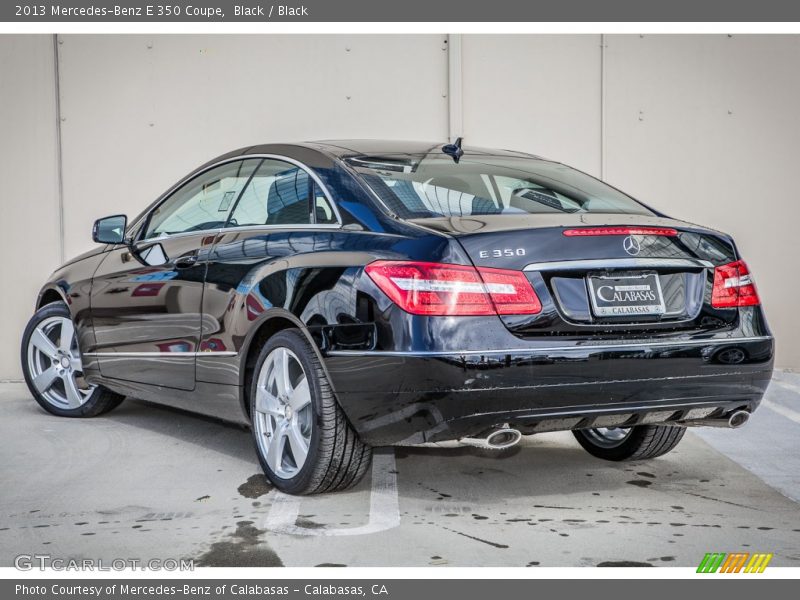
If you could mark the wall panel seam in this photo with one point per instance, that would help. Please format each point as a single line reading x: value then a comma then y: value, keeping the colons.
x: 59, y: 154
x: 602, y: 106
x: 455, y: 87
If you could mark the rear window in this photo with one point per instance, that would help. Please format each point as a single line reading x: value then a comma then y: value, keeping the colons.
x: 434, y: 185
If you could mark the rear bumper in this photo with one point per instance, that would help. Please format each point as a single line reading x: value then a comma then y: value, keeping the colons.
x: 416, y: 397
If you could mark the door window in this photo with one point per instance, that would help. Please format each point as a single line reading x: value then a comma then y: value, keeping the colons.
x: 281, y: 193
x: 202, y: 203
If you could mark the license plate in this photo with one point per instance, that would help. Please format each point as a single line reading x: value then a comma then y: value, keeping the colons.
x: 626, y: 296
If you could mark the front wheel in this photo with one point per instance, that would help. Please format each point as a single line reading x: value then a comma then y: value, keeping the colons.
x: 629, y: 443
x: 51, y: 364
x: 303, y: 440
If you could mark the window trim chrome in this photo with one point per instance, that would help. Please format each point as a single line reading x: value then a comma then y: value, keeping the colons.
x: 168, y: 194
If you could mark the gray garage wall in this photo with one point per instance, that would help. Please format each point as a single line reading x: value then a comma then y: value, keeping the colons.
x: 29, y: 226
x: 703, y: 127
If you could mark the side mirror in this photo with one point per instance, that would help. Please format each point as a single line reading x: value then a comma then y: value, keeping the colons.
x: 110, y: 230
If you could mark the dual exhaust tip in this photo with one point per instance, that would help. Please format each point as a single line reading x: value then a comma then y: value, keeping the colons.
x: 738, y: 418
x: 502, y: 438
x: 734, y: 420
x: 497, y: 439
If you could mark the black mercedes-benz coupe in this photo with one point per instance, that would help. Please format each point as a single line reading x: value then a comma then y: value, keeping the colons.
x: 341, y: 295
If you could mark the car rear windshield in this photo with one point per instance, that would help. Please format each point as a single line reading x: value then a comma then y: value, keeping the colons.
x: 434, y: 185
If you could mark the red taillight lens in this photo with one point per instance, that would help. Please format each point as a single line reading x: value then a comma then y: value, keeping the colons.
x: 733, y: 286
x: 593, y: 231
x: 510, y: 291
x: 436, y: 289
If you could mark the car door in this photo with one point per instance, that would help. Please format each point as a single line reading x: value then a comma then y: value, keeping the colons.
x: 147, y: 298
x: 284, y: 211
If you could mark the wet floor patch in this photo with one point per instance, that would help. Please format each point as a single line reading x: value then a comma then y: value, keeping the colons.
x: 476, y: 538
x: 255, y: 486
x: 243, y: 548
x: 307, y: 523
x: 623, y: 563
x: 642, y: 483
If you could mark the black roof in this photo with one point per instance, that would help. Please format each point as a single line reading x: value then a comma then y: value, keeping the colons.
x: 344, y: 148
x: 331, y: 150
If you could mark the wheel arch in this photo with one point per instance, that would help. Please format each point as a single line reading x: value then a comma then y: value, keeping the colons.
x: 271, y: 322
x: 49, y: 295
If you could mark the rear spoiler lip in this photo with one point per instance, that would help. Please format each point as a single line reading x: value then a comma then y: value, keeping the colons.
x: 619, y: 263
x: 443, y: 225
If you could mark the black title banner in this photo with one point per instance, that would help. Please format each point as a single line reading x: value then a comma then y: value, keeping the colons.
x: 150, y: 11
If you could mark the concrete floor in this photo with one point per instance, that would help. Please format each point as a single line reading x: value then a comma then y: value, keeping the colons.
x: 146, y: 482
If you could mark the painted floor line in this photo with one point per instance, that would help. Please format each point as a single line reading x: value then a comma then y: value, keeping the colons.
x: 384, y: 507
x: 782, y: 410
x: 787, y: 385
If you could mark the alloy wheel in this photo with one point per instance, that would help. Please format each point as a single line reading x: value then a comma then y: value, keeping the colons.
x: 54, y: 363
x: 283, y: 413
x: 608, y: 437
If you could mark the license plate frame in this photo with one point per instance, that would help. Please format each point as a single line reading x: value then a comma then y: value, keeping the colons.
x: 631, y: 295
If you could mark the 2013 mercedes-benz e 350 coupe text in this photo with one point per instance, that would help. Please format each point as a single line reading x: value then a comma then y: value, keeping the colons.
x: 342, y: 295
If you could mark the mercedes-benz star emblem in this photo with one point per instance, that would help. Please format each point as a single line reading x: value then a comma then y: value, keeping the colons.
x: 631, y: 245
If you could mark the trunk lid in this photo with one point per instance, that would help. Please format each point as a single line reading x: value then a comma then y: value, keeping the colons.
x: 601, y: 284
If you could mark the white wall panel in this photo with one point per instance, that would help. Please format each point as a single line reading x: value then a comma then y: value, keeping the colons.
x: 29, y: 244
x: 706, y: 129
x: 537, y: 93
x: 141, y: 111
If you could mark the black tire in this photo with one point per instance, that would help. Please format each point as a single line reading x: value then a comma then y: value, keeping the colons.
x: 641, y: 443
x: 96, y: 402
x: 337, y: 459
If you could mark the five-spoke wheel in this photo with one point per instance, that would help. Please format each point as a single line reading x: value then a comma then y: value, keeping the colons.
x: 51, y: 363
x: 54, y: 363
x: 283, y: 417
x: 303, y: 439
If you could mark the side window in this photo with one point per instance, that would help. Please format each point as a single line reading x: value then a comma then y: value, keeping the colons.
x: 202, y: 203
x: 322, y: 208
x: 280, y: 193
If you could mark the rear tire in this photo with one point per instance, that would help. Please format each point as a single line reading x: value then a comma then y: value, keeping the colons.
x: 303, y: 440
x: 641, y: 442
x: 53, y: 370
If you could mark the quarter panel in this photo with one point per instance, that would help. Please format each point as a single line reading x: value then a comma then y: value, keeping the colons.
x: 315, y: 275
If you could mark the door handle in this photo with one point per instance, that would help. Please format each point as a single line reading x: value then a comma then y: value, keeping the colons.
x: 184, y: 262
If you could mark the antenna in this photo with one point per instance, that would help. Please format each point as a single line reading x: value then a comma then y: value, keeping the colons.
x: 454, y: 150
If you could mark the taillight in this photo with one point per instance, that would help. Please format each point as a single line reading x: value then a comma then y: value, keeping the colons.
x: 592, y: 231
x: 510, y: 291
x: 436, y: 289
x: 733, y: 286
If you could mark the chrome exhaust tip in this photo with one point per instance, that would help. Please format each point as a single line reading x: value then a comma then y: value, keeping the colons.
x: 738, y: 419
x: 497, y: 439
x: 734, y: 420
